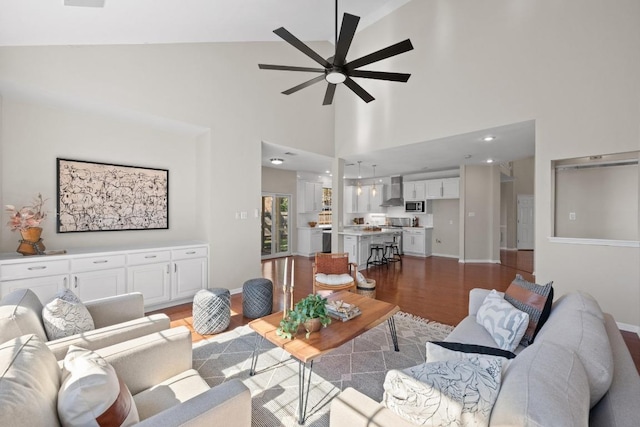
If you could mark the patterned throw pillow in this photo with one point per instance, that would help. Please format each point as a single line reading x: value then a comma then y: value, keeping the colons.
x: 533, y: 299
x: 66, y: 315
x: 92, y: 394
x: 452, y: 393
x: 503, y: 321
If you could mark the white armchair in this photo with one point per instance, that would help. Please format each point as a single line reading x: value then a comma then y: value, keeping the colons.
x: 116, y: 319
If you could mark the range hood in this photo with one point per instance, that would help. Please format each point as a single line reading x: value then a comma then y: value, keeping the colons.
x: 395, y: 198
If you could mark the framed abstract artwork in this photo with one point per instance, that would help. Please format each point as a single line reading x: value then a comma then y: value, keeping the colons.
x: 105, y: 197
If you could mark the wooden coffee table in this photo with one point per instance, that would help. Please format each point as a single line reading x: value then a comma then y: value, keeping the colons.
x: 333, y: 336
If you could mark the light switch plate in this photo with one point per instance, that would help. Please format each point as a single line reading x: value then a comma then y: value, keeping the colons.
x: 572, y: 216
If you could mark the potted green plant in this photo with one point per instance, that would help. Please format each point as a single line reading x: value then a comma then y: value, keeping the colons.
x: 311, y: 312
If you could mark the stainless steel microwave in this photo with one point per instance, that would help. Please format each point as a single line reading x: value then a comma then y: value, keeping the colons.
x: 414, y: 206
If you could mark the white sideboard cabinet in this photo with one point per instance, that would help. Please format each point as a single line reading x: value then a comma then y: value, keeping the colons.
x: 165, y: 275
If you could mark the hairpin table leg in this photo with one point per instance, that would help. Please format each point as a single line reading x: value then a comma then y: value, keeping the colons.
x: 394, y: 334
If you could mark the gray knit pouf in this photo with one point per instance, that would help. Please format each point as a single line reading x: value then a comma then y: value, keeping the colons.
x: 211, y: 310
x: 257, y: 298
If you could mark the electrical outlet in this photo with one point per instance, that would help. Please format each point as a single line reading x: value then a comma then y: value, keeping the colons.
x: 572, y: 216
x: 472, y: 214
x: 450, y: 222
x: 243, y: 215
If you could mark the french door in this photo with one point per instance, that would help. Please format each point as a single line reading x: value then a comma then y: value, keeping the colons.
x: 275, y: 225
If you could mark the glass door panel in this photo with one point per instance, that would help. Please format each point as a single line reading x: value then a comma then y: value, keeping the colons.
x: 275, y: 225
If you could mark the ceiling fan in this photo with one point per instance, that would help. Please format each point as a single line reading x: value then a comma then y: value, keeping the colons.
x: 336, y: 68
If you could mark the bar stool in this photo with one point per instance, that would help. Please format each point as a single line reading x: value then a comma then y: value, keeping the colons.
x: 376, y: 251
x: 392, y: 252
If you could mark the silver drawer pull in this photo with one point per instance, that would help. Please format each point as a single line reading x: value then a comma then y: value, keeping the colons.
x: 150, y: 256
x: 40, y: 267
x: 102, y: 261
x: 191, y: 252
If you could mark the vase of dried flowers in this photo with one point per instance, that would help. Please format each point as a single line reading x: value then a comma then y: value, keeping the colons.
x: 27, y: 220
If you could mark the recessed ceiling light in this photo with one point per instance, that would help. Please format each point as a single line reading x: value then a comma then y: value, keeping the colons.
x: 488, y: 138
x: 276, y: 161
x: 327, y: 171
x: 467, y: 156
x: 489, y: 160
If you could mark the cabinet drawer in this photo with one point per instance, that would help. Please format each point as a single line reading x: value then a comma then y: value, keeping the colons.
x: 149, y: 257
x: 196, y: 252
x: 33, y: 269
x: 98, y: 263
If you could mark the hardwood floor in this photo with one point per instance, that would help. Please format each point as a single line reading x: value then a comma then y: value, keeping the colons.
x: 434, y: 288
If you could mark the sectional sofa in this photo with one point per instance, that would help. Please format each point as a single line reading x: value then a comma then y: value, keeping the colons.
x: 577, y: 372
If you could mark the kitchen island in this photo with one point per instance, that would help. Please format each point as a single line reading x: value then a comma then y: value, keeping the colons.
x: 357, y: 241
x: 412, y: 240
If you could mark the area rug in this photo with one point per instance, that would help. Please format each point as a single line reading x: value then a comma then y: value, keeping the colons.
x: 361, y: 363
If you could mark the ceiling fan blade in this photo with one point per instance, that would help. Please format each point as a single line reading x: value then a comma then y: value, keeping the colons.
x: 387, y: 52
x: 290, y: 68
x: 358, y: 90
x: 295, y: 42
x: 328, y: 95
x: 303, y: 85
x: 347, y: 31
x: 380, y: 75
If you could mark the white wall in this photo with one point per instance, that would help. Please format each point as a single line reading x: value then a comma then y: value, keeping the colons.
x: 571, y: 66
x: 36, y: 133
x: 216, y: 88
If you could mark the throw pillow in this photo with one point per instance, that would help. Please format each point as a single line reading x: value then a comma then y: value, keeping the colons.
x: 66, y: 315
x: 503, y: 321
x: 92, y: 394
x: 472, y: 348
x: 533, y: 299
x: 451, y: 392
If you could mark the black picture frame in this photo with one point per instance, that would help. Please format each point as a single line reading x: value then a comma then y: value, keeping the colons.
x: 94, y: 196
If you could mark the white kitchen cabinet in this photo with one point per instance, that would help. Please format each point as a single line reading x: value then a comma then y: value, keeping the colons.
x: 164, y: 275
x: 351, y: 247
x: 309, y: 241
x: 451, y: 188
x: 311, y: 197
x: 364, y: 247
x: 365, y: 202
x: 417, y: 241
x: 415, y: 190
x: 446, y: 188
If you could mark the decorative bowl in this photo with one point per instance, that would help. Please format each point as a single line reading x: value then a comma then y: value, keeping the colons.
x: 312, y: 223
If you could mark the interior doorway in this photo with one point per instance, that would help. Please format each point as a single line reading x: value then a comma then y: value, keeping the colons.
x: 275, y: 229
x: 525, y: 222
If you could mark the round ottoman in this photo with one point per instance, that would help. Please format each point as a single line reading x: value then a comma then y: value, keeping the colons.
x: 257, y: 298
x: 367, y: 288
x: 211, y: 310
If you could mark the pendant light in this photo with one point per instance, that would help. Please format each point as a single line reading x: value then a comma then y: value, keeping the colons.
x: 373, y: 189
x: 359, y: 176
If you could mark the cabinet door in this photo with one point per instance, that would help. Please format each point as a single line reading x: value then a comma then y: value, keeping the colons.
x: 420, y: 190
x: 90, y: 285
x: 434, y: 189
x: 364, y: 199
x: 377, y: 199
x: 316, y: 240
x: 152, y: 280
x: 189, y: 276
x: 365, y: 244
x: 350, y: 199
x: 44, y: 287
x: 312, y: 197
x: 351, y: 247
x: 451, y: 188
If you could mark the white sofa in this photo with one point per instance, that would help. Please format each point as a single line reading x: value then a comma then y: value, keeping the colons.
x: 578, y: 371
x: 156, y: 368
x: 116, y: 319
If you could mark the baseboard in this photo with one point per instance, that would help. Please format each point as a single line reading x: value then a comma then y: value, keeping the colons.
x: 628, y: 327
x: 445, y: 255
x: 235, y: 291
x: 479, y: 261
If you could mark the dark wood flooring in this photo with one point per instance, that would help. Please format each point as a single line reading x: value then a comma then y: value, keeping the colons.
x: 434, y: 288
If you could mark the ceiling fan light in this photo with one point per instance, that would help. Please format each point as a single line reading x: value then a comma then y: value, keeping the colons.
x: 276, y: 161
x: 335, y: 77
